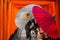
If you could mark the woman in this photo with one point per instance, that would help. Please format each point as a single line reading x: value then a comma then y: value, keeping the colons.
x: 31, y: 31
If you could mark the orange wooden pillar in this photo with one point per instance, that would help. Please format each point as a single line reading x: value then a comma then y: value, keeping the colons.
x: 1, y: 19
x: 58, y: 15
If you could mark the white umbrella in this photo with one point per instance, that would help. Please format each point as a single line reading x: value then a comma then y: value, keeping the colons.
x: 21, y: 18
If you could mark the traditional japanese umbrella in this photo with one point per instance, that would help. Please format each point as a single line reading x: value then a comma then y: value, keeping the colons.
x: 43, y: 18
x: 45, y: 21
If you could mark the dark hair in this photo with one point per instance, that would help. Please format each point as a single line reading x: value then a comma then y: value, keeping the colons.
x: 27, y: 27
x: 30, y: 22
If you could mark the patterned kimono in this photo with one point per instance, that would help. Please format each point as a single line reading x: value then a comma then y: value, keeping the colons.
x: 31, y: 33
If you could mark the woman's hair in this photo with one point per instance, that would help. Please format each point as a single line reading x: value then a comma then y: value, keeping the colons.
x: 30, y: 22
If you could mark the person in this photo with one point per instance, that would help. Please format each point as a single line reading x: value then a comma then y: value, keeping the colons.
x: 31, y: 31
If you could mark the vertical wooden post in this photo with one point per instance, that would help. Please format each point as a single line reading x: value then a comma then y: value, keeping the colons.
x: 58, y: 16
x: 1, y: 19
x: 58, y: 11
x: 5, y: 20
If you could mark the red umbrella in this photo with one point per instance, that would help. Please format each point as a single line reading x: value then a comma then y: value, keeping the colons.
x: 45, y: 21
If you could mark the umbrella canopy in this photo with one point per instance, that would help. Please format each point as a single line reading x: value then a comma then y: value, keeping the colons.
x: 45, y: 21
x: 19, y: 20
